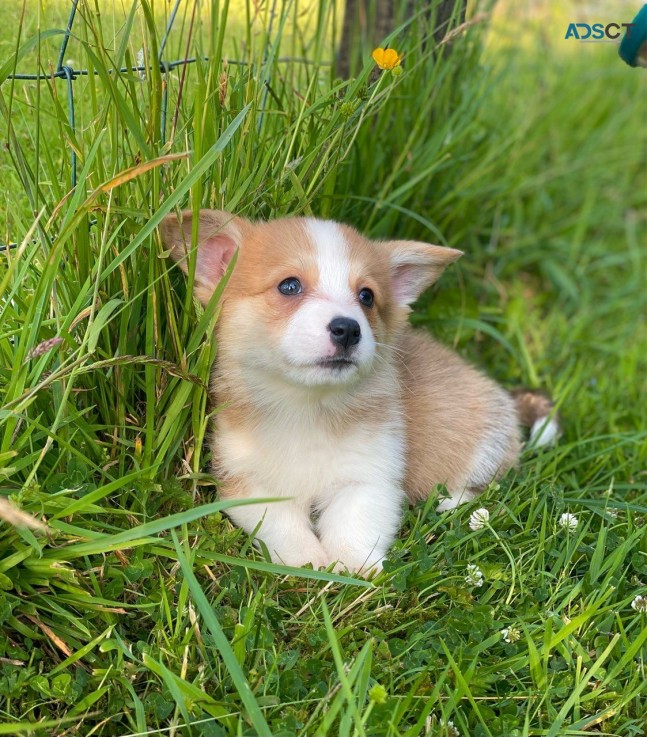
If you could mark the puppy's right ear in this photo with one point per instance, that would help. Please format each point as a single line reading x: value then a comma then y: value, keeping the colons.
x: 219, y: 235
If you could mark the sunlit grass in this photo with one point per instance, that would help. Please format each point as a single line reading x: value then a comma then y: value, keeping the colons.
x: 142, y: 609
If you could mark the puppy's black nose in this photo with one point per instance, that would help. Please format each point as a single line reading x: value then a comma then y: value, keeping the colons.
x: 345, y: 332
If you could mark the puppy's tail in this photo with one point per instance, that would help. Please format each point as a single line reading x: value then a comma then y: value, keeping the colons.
x: 536, y: 411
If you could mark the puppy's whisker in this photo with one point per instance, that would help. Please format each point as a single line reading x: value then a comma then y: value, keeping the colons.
x: 390, y: 347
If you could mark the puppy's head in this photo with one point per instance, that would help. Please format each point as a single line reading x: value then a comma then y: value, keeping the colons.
x: 310, y: 302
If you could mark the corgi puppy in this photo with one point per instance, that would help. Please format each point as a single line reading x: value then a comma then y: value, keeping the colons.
x: 329, y: 400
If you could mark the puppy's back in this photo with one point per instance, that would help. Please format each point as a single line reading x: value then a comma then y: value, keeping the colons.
x: 461, y: 427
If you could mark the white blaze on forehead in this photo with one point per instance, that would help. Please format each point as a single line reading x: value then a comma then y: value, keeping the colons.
x: 306, y: 337
x: 332, y: 260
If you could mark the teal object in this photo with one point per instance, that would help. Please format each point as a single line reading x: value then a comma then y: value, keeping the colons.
x: 634, y: 38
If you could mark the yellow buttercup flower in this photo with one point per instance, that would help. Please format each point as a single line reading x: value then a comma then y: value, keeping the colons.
x: 387, y: 58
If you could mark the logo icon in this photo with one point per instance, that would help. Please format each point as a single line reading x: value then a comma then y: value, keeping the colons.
x: 597, y: 31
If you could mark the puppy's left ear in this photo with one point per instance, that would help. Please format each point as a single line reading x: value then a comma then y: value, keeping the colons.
x: 416, y: 266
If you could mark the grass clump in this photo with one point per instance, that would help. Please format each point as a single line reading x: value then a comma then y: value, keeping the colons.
x: 141, y: 608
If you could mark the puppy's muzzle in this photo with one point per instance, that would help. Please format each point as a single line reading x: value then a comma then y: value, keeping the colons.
x: 344, y: 332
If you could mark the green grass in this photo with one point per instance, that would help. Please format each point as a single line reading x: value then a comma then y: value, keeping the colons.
x: 143, y: 611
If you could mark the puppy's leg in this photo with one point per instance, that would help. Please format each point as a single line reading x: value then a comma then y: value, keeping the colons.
x: 496, y: 451
x: 358, y: 524
x: 285, y: 529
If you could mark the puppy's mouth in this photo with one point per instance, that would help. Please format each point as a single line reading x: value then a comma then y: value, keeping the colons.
x: 337, y: 363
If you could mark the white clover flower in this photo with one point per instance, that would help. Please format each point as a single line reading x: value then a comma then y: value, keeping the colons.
x: 511, y: 634
x: 450, y: 727
x: 474, y: 576
x: 639, y: 604
x: 568, y: 522
x: 479, y: 519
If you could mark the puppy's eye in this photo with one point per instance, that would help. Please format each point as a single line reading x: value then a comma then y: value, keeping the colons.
x: 290, y: 286
x: 366, y: 297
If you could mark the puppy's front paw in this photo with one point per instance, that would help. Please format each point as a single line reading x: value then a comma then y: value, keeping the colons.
x: 300, y: 558
x: 367, y: 567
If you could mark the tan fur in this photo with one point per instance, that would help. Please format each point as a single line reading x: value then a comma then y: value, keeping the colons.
x: 531, y: 406
x: 448, y: 406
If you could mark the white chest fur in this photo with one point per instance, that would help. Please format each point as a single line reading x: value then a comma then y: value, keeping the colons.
x: 306, y: 456
x: 349, y: 473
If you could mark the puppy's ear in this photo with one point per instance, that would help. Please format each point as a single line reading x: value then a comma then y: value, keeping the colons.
x: 416, y: 266
x: 219, y: 235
